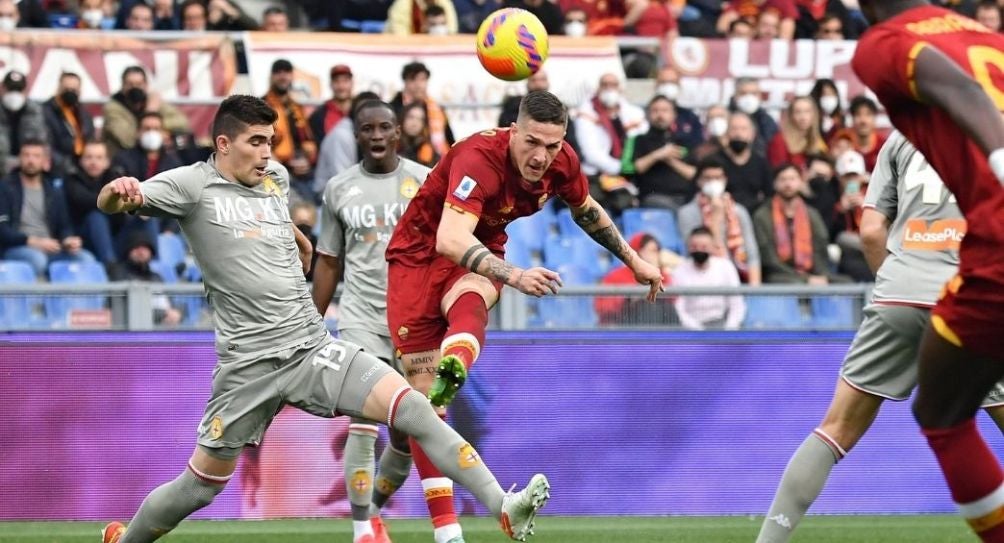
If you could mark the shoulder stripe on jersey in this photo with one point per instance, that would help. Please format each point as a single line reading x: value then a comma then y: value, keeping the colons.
x: 911, y: 68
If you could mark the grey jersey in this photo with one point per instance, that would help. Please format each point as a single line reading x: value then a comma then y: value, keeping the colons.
x: 358, y: 216
x: 926, y: 225
x: 243, y: 240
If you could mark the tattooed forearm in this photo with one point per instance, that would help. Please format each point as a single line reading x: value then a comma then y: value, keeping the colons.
x: 498, y: 269
x: 589, y: 218
x: 473, y: 256
x: 480, y: 260
x: 611, y: 239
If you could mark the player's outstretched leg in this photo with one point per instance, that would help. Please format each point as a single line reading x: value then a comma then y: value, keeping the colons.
x: 849, y: 416
x: 172, y: 502
x: 358, y: 469
x: 467, y: 318
x: 952, y: 383
x: 395, y: 463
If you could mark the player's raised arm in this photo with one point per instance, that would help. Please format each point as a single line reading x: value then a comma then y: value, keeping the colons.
x: 593, y: 220
x: 942, y: 83
x: 120, y: 195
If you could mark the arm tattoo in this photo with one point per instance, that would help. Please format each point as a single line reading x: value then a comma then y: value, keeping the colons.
x: 499, y: 269
x: 589, y: 218
x: 477, y: 260
x: 464, y: 260
x: 611, y: 239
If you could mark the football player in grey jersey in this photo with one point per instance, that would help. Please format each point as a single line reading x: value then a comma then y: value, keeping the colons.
x: 361, y: 208
x: 272, y: 347
x: 911, y: 230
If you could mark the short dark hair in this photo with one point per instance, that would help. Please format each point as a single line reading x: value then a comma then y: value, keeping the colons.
x: 434, y: 10
x: 189, y: 3
x: 412, y: 69
x: 154, y: 114
x: 140, y: 5
x: 35, y: 142
x: 273, y: 10
x: 708, y: 163
x: 987, y: 4
x: 738, y: 22
x: 863, y: 101
x: 700, y: 231
x: 66, y: 75
x: 658, y: 98
x: 240, y: 111
x: 783, y: 167
x: 133, y: 70
x: 818, y: 157
x: 543, y: 107
x: 372, y: 104
x: 360, y: 99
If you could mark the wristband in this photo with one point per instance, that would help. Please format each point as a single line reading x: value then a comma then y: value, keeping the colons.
x: 996, y: 161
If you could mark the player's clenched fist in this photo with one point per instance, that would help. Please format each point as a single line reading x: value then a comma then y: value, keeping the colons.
x: 538, y: 282
x: 126, y: 188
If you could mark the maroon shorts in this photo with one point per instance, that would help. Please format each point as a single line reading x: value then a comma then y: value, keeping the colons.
x: 414, y: 298
x: 970, y: 313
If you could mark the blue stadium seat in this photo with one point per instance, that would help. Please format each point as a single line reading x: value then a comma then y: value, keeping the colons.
x: 517, y: 252
x: 569, y: 311
x: 57, y: 308
x: 171, y: 250
x: 833, y: 312
x: 15, y: 310
x: 558, y: 251
x: 660, y: 223
x: 566, y: 224
x: 773, y: 312
x: 192, y: 273
x: 530, y: 231
x: 166, y: 272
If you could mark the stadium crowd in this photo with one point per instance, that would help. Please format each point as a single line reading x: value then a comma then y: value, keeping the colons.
x: 776, y: 196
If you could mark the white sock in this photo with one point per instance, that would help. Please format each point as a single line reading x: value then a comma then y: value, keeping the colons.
x: 361, y: 528
x: 446, y: 533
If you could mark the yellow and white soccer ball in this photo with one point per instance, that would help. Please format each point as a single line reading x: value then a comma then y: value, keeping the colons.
x: 512, y: 44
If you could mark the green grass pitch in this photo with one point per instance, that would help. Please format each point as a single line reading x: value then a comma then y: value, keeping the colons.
x: 816, y: 529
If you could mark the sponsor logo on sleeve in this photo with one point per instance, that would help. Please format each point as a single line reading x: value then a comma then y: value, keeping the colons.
x: 465, y: 188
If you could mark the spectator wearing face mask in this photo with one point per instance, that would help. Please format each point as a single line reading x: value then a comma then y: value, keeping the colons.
x: 151, y: 156
x: 728, y: 221
x: 123, y: 111
x: 661, y: 172
x: 604, y: 18
x: 831, y: 111
x: 822, y: 189
x: 69, y: 124
x: 748, y: 173
x: 407, y: 17
x: 547, y: 11
x: 434, y: 21
x: 10, y: 18
x: 21, y: 119
x: 748, y: 98
x: 687, y: 129
x: 576, y: 23
x: 703, y: 269
x: 716, y: 124
x: 93, y: 15
x: 626, y: 311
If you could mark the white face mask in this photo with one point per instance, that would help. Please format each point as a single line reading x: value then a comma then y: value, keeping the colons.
x: 575, y: 29
x: 439, y: 30
x: 151, y: 140
x: 610, y: 97
x: 14, y: 101
x: 713, y: 188
x: 7, y: 24
x: 671, y: 91
x: 829, y: 104
x: 92, y: 17
x: 718, y: 126
x: 748, y: 103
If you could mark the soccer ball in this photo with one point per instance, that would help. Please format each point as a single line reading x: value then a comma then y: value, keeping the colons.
x: 512, y: 44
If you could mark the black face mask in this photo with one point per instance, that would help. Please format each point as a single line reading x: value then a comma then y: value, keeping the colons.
x: 700, y: 257
x: 281, y: 91
x: 136, y: 95
x: 69, y: 97
x: 738, y: 146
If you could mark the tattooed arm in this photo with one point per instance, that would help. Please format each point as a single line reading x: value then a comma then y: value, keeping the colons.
x: 593, y: 220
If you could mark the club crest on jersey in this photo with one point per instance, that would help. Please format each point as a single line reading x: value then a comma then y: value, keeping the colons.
x: 542, y: 200
x: 402, y: 332
x: 216, y: 427
x: 409, y: 187
x: 270, y: 186
x: 465, y: 188
x: 467, y: 457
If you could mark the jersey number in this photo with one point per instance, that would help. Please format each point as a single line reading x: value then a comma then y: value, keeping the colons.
x: 323, y: 357
x: 982, y: 59
x: 920, y: 174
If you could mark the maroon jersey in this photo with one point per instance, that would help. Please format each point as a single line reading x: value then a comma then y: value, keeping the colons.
x: 477, y: 176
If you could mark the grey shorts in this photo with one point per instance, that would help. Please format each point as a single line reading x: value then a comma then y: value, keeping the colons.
x: 375, y: 344
x: 882, y: 359
x: 322, y: 376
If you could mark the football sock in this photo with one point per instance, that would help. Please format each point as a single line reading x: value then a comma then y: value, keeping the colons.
x: 438, y: 494
x: 801, y: 483
x: 359, y: 458
x: 394, y: 468
x: 974, y: 476
x: 412, y: 413
x: 170, y: 503
x: 468, y: 318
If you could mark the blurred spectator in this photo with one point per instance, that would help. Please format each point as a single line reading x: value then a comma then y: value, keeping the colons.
x: 166, y: 15
x: 748, y: 98
x: 988, y: 13
x: 68, y: 124
x: 768, y: 25
x: 741, y: 29
x: 416, y: 89
x: 415, y: 143
x: 827, y: 97
x: 687, y: 127
x: 407, y: 17
x: 510, y: 105
x: 140, y: 18
x: 10, y: 18
x: 275, y: 19
x: 728, y: 222
x: 161, y: 15
x: 547, y: 11
x: 139, y: 252
x: 576, y: 23
x: 327, y: 115
x: 102, y: 234
x: 293, y: 144
x: 965, y: 7
x: 791, y: 234
x: 304, y: 217
x: 815, y: 20
x: 339, y: 149
x: 349, y: 15
x: 655, y: 18
x: 471, y: 13
x: 604, y: 18
x: 95, y: 14
x: 624, y: 310
x: 123, y: 111
x: 151, y: 156
x: 853, y: 178
x: 841, y: 142
x: 22, y: 14
x: 831, y: 27
x: 193, y: 16
x: 751, y: 10
x: 662, y: 175
x: 799, y: 135
x: 703, y: 269
x: 748, y: 173
x: 716, y: 125
x: 34, y: 222
x: 821, y: 189
x: 21, y: 119
x: 434, y: 22
x: 864, y: 133
x: 228, y: 16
